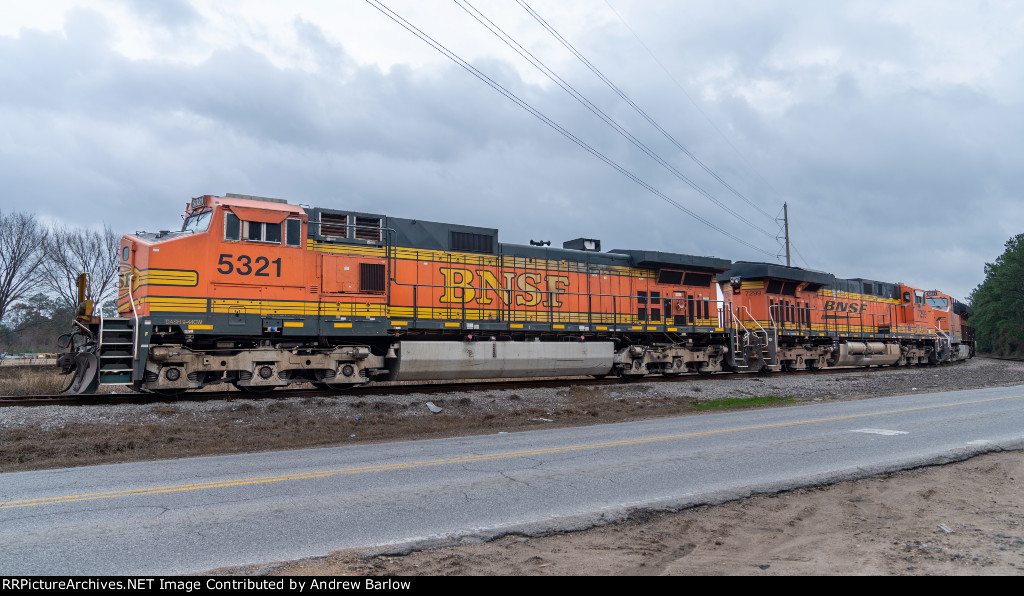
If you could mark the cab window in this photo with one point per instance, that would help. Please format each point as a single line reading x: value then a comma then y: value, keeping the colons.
x: 258, y: 231
x: 293, y: 231
x: 288, y: 233
x: 232, y: 227
x: 198, y: 222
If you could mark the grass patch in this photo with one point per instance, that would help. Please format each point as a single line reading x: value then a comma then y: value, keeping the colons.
x: 18, y: 381
x: 746, y: 402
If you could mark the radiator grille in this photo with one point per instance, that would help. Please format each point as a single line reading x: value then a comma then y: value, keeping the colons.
x: 371, y: 277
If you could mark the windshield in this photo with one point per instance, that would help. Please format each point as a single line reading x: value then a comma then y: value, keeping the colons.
x: 938, y: 303
x: 198, y: 222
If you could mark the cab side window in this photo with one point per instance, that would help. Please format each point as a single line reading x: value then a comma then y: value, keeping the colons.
x: 293, y: 231
x: 232, y: 227
x: 258, y: 231
x: 289, y: 232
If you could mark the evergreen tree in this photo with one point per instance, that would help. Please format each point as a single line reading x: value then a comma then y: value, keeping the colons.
x: 998, y: 303
x: 34, y: 324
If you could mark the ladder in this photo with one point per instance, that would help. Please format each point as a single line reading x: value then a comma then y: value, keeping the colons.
x: 944, y: 340
x: 753, y: 349
x: 116, y: 351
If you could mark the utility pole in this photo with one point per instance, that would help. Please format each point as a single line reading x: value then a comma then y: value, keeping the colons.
x: 785, y: 215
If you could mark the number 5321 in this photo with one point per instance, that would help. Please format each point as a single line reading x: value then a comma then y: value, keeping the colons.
x: 245, y: 265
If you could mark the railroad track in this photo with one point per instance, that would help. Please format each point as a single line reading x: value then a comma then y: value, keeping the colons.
x: 386, y: 389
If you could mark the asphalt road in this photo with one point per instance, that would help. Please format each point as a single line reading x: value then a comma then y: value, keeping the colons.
x: 193, y: 515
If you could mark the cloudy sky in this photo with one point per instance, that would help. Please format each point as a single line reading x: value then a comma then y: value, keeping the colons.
x: 893, y: 129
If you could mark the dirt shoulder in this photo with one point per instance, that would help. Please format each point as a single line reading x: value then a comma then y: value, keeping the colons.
x: 962, y: 518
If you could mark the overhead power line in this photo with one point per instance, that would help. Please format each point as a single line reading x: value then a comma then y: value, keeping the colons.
x: 380, y: 6
x: 582, y: 99
x: 693, y: 103
x: 696, y: 106
x: 636, y: 107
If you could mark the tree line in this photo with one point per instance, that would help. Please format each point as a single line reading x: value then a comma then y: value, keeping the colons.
x: 998, y: 303
x: 39, y: 269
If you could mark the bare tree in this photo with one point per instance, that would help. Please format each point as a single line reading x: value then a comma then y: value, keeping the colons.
x: 22, y: 251
x: 71, y: 252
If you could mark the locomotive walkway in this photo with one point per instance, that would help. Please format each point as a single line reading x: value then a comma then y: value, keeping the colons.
x: 193, y: 515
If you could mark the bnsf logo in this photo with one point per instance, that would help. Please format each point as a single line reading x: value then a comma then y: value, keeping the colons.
x: 525, y: 289
x: 845, y: 307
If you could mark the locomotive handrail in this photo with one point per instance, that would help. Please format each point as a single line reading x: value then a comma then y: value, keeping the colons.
x: 540, y: 315
x: 135, y: 322
x: 874, y: 322
x: 737, y: 319
x: 756, y: 322
x: 945, y: 337
x: 99, y: 338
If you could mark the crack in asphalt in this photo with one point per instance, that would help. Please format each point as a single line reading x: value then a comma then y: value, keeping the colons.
x: 507, y: 476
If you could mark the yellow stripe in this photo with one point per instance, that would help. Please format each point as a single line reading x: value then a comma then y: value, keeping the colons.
x: 342, y: 325
x: 173, y: 305
x: 453, y: 324
x: 159, y: 304
x: 164, y: 277
x: 293, y: 324
x: 350, y: 309
x: 200, y: 326
x: 399, y: 323
x: 516, y: 325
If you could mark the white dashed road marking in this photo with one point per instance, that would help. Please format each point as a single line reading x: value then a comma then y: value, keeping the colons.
x: 880, y: 431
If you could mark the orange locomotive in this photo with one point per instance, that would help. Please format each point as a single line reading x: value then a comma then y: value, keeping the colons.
x: 792, y: 318
x: 262, y: 294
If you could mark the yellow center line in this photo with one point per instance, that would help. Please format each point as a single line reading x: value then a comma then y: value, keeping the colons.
x: 460, y: 460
